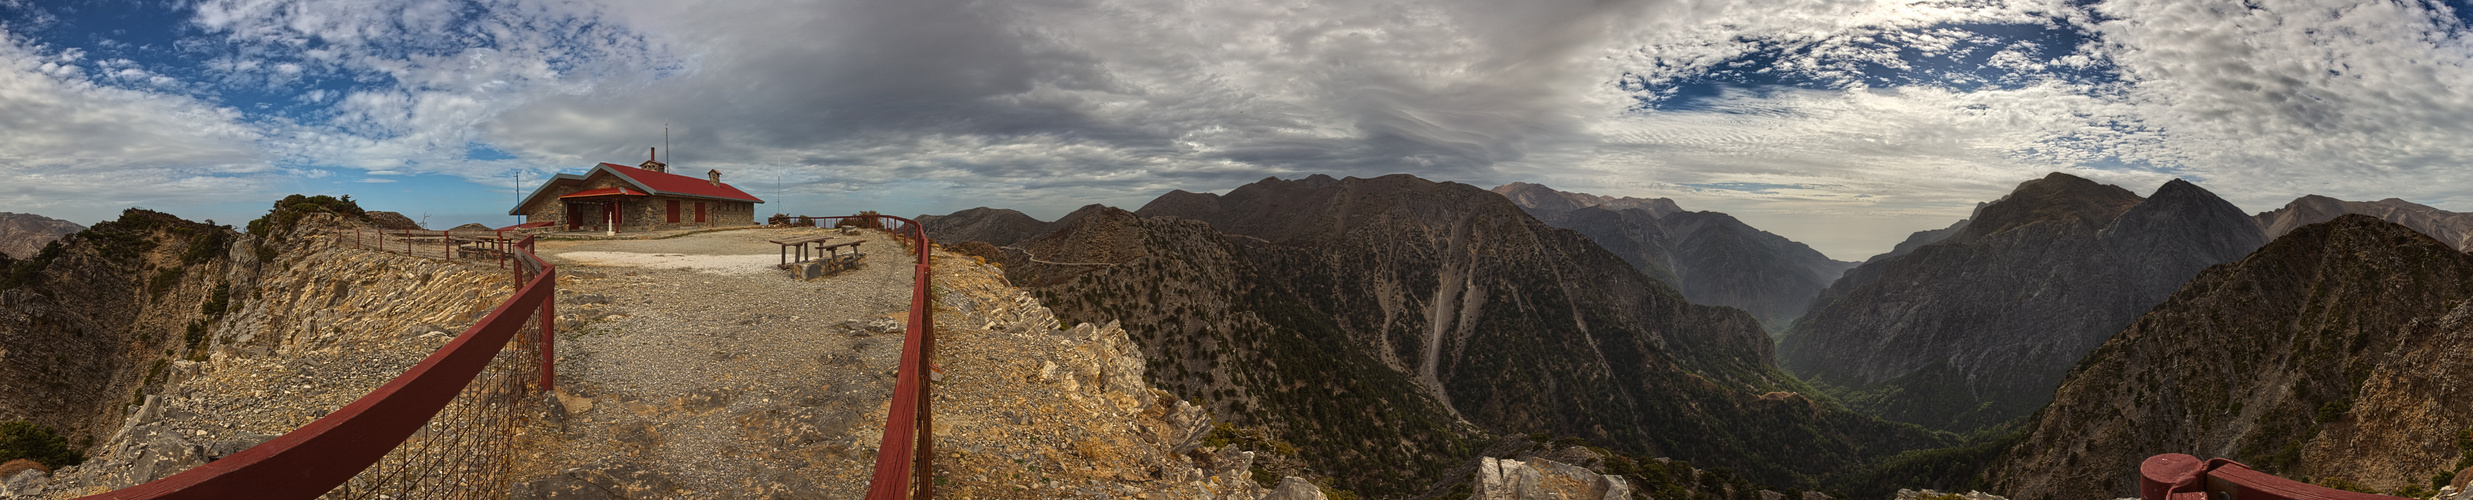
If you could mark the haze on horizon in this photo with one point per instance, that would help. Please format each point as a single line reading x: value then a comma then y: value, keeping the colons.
x: 1844, y: 125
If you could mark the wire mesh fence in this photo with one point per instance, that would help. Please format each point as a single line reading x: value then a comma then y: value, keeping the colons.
x: 466, y: 450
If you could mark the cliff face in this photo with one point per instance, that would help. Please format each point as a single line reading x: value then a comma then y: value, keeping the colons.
x: 1711, y: 257
x: 2333, y: 352
x: 21, y: 235
x: 2454, y: 229
x: 1366, y: 319
x: 1978, y: 328
x: 89, y: 322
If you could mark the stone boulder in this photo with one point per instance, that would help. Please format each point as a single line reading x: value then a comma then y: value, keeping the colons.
x: 1294, y: 488
x: 1542, y: 479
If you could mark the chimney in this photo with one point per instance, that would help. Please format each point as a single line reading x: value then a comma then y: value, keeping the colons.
x: 715, y: 175
x: 653, y: 164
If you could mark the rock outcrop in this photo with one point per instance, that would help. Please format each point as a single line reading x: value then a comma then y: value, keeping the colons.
x: 2452, y: 228
x: 2335, y: 352
x: 1711, y: 257
x: 1978, y: 327
x: 1541, y: 479
x: 21, y: 235
x: 1385, y: 326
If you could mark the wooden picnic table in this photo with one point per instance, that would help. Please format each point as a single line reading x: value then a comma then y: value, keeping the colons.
x: 819, y: 241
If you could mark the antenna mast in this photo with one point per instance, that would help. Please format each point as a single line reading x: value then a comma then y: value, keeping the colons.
x: 665, y: 141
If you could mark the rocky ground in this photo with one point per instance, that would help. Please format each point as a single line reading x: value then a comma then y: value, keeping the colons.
x: 692, y: 370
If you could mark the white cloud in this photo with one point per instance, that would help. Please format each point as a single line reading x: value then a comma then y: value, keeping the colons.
x: 1047, y: 104
x: 74, y: 148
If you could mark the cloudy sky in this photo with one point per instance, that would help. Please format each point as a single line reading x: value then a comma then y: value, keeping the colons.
x: 1843, y: 124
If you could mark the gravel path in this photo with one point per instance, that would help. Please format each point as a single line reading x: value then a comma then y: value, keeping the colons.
x: 695, y: 370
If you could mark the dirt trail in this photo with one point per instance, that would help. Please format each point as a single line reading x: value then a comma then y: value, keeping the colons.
x: 694, y: 369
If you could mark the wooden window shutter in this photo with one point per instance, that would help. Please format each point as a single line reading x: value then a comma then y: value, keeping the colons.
x: 673, y: 210
x: 699, y: 211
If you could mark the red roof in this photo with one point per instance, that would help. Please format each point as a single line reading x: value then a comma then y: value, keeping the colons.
x: 674, y: 184
x: 619, y: 191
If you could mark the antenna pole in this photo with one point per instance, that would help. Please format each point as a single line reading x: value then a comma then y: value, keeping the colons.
x: 665, y: 141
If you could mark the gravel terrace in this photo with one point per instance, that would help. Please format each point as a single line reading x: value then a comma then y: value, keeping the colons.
x: 692, y: 368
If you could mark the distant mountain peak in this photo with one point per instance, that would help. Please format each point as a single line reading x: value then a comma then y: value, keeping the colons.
x: 2454, y: 229
x: 21, y: 235
x: 2058, y: 197
x: 1973, y: 329
x: 1536, y: 197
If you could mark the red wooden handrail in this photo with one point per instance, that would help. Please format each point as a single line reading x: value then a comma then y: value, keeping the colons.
x: 2174, y: 476
x: 315, y: 458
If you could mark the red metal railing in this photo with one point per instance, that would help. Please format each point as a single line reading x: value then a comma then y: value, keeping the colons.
x: 2174, y: 476
x: 905, y: 465
x: 343, y: 446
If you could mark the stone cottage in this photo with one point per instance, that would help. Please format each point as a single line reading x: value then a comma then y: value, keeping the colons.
x: 639, y: 198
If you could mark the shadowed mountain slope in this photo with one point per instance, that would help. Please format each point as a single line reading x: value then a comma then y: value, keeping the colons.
x: 1711, y: 257
x: 1978, y: 328
x: 1382, y: 325
x: 2331, y: 352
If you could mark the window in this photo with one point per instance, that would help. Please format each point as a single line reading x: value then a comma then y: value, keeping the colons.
x: 673, y: 210
x: 699, y: 211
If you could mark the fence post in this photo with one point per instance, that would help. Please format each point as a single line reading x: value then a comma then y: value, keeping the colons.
x: 549, y: 332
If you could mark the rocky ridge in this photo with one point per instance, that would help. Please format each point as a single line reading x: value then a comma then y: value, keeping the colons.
x: 996, y: 226
x: 2329, y: 356
x: 2452, y: 228
x: 1978, y: 327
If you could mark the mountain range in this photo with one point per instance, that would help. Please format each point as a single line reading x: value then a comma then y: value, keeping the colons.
x: 1977, y: 326
x: 1711, y: 257
x: 1386, y: 325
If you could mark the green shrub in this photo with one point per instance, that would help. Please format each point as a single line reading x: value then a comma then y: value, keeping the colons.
x: 289, y: 211
x: 217, y: 300
x: 23, y: 439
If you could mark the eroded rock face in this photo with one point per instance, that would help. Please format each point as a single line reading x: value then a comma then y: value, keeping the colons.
x: 1978, y: 327
x: 2333, y: 352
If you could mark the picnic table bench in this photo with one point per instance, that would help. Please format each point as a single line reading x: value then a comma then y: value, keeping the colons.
x: 823, y: 246
x: 488, y: 246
